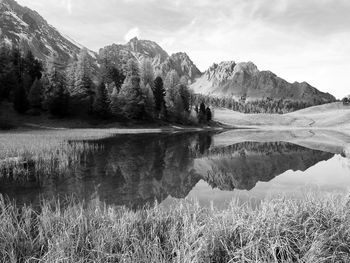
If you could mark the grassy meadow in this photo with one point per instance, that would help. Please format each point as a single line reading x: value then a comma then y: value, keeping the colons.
x: 315, y: 229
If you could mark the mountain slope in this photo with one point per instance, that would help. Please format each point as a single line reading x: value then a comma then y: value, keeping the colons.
x: 330, y: 116
x: 23, y: 26
x: 229, y: 79
x: 144, y: 49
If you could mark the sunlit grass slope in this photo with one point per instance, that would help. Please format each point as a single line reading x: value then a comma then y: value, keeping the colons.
x: 333, y: 115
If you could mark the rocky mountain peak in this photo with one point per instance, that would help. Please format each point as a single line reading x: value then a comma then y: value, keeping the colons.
x: 146, y: 49
x: 183, y: 65
x: 237, y: 80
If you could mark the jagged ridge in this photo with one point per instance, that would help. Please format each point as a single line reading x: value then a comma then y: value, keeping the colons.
x: 228, y: 79
x: 144, y: 49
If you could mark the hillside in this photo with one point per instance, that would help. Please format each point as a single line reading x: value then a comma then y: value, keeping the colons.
x: 330, y: 116
x: 23, y: 26
x: 244, y: 80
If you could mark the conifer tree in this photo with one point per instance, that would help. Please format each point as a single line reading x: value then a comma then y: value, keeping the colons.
x: 202, y: 113
x: 56, y: 96
x: 111, y: 75
x: 82, y: 94
x: 171, y: 80
x: 101, y: 103
x: 159, y: 94
x: 208, y: 114
x: 147, y: 73
x: 131, y: 100
x: 20, y: 102
x: 148, y: 100
x: 114, y: 103
x: 35, y: 94
x: 8, y: 79
x: 33, y: 67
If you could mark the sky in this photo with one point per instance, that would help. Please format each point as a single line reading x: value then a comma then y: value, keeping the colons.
x: 299, y: 40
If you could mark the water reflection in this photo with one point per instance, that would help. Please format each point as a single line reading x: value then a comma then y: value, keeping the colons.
x: 135, y: 170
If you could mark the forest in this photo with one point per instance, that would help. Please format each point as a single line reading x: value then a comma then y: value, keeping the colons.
x: 82, y: 89
x: 268, y: 105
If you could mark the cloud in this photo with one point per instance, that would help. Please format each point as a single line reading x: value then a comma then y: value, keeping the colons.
x: 133, y: 32
x: 298, y: 40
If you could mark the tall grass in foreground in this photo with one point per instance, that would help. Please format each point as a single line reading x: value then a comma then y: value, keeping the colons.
x: 315, y: 229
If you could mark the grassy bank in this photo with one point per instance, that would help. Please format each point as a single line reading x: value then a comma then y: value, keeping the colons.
x: 315, y: 229
x: 40, y: 152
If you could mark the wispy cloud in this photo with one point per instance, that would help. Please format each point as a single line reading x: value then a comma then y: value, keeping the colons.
x: 133, y: 32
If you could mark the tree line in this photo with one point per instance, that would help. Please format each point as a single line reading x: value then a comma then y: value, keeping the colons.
x: 134, y: 92
x: 268, y: 105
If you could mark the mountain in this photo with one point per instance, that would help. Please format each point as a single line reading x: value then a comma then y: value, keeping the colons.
x: 23, y: 26
x: 144, y: 49
x: 228, y: 79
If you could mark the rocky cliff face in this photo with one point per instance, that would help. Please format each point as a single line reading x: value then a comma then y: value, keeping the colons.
x: 145, y: 49
x: 23, y: 26
x: 229, y: 79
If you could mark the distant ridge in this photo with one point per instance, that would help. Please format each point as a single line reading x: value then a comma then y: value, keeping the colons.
x: 244, y: 80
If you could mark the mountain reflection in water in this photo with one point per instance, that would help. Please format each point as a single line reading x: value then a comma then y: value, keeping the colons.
x: 136, y: 170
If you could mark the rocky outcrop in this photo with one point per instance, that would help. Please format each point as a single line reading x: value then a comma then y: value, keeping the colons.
x: 244, y: 80
x: 144, y: 49
x: 182, y: 64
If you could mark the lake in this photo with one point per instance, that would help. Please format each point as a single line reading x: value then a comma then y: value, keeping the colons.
x: 211, y: 167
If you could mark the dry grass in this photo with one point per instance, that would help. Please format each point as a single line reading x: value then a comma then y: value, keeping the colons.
x: 40, y: 152
x: 315, y: 229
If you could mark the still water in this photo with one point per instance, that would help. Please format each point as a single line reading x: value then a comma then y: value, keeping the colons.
x: 136, y: 170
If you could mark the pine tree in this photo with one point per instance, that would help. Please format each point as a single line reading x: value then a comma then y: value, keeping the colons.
x: 111, y: 75
x: 20, y: 102
x: 114, y: 103
x: 56, y: 96
x: 82, y: 94
x: 208, y: 114
x: 8, y: 79
x: 70, y: 76
x: 202, y: 113
x: 171, y: 80
x: 149, y: 100
x: 159, y: 94
x: 147, y: 73
x: 101, y: 103
x: 131, y: 100
x: 33, y: 67
x: 58, y: 102
x: 35, y: 94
